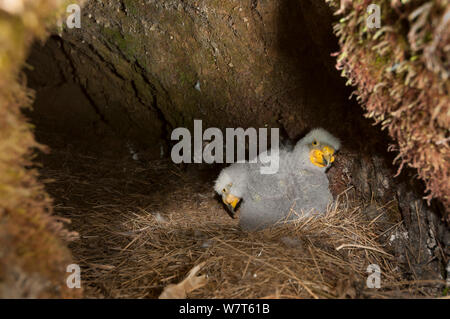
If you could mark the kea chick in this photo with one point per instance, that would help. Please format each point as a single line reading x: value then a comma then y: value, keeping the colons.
x: 298, y: 189
x: 231, y: 185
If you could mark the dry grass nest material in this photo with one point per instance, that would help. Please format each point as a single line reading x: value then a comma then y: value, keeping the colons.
x: 145, y: 226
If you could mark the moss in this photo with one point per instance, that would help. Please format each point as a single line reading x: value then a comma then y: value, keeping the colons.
x: 125, y: 43
x: 413, y: 102
x: 31, y: 244
x: 382, y: 61
x: 131, y: 7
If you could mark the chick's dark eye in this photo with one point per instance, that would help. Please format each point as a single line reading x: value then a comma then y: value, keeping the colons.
x: 224, y: 190
x: 314, y: 143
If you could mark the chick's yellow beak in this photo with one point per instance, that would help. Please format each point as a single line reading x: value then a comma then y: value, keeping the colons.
x: 322, y: 157
x: 230, y: 201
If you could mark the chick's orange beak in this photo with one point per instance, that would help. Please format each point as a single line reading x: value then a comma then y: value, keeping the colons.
x: 322, y: 157
x: 328, y: 154
x: 231, y: 201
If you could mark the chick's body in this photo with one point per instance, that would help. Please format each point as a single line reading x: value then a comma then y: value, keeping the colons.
x: 296, y: 190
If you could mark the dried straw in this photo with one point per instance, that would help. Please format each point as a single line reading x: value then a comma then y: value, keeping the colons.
x: 144, y: 226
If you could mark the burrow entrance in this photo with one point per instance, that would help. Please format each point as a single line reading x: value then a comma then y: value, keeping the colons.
x: 107, y: 99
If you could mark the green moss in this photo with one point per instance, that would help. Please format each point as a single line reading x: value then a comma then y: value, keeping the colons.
x: 381, y: 62
x: 445, y: 292
x: 131, y: 7
x: 127, y: 44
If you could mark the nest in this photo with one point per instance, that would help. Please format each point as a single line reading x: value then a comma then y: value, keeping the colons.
x: 144, y: 226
